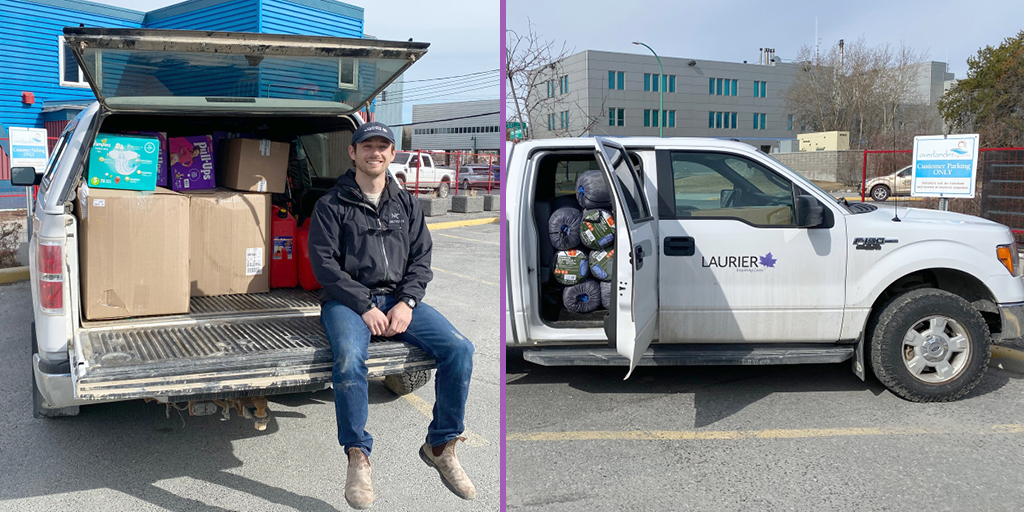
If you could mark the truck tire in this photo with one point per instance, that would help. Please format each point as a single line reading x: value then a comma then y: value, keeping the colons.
x: 929, y: 345
x: 38, y: 410
x: 443, y: 188
x: 405, y: 383
x: 880, y: 192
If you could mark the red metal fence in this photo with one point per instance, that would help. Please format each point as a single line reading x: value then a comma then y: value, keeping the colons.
x: 999, y: 189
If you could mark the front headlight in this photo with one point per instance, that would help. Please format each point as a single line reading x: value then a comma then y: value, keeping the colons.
x: 1009, y: 257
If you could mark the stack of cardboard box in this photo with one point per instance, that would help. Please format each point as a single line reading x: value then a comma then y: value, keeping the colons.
x: 145, y: 249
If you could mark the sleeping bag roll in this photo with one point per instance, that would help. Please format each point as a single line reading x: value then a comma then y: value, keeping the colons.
x: 592, y: 190
x: 601, y: 262
x: 597, y: 228
x: 606, y: 294
x: 582, y: 298
x: 570, y: 266
x: 564, y: 228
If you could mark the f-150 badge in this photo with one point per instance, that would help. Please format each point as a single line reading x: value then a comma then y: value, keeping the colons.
x: 872, y: 244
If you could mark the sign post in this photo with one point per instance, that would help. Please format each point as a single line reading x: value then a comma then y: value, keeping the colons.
x: 28, y: 149
x: 945, y: 166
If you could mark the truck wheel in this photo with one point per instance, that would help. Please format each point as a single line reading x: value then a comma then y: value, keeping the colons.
x: 38, y: 410
x: 880, y: 192
x: 929, y: 345
x: 443, y: 188
x: 405, y: 383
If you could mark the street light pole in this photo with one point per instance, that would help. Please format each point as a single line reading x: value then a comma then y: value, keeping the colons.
x: 661, y: 91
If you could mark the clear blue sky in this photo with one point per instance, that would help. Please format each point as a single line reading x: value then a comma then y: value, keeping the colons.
x: 733, y: 31
x: 463, y: 35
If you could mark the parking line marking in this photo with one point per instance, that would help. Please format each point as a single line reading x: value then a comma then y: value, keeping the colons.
x: 735, y: 435
x: 469, y: 239
x: 471, y: 278
x: 421, y: 405
x: 461, y: 223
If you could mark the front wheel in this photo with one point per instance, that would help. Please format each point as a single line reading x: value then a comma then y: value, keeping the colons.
x: 929, y: 345
x: 405, y: 383
x: 880, y: 192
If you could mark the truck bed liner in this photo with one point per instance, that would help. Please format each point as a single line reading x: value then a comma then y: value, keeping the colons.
x: 224, y: 344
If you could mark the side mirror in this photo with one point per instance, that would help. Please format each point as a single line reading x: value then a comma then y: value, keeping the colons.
x: 25, y: 177
x: 810, y: 213
x: 725, y: 200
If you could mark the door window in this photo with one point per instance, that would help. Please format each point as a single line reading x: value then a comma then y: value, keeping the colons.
x: 720, y: 185
x: 629, y: 183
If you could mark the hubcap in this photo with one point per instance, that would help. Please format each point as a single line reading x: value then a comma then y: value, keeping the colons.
x: 936, y: 349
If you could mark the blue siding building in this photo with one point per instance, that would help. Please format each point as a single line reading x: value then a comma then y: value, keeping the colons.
x: 35, y: 61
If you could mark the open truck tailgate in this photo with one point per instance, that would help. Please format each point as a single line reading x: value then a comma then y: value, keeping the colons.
x: 226, y: 346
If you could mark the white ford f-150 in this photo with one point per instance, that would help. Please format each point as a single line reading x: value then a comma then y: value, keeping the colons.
x: 725, y: 256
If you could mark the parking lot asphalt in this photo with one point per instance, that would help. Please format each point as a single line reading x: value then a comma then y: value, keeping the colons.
x: 769, y: 438
x: 129, y: 456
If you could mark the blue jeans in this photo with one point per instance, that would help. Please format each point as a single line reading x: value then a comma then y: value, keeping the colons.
x: 428, y: 330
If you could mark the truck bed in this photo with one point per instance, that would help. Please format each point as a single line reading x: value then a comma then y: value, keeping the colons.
x: 226, y: 346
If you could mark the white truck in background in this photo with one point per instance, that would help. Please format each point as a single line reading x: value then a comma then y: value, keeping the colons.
x: 417, y: 168
x: 725, y: 256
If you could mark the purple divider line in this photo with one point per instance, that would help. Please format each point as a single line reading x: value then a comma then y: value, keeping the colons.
x: 501, y: 288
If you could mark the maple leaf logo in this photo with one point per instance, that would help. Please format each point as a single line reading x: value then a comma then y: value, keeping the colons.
x: 768, y: 261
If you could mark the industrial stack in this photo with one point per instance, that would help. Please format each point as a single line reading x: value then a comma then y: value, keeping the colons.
x: 165, y: 218
x: 582, y: 231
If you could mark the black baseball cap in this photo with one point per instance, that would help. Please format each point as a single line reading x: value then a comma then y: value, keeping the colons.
x: 372, y: 129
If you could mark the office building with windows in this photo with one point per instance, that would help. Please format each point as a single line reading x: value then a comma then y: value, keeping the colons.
x: 473, y: 126
x: 608, y: 93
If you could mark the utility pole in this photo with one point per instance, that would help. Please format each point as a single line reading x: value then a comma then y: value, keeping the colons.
x: 661, y: 90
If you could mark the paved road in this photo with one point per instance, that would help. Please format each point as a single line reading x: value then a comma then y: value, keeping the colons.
x: 756, y: 438
x: 129, y: 456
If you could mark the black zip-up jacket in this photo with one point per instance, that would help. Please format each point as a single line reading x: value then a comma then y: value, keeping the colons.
x: 355, y: 247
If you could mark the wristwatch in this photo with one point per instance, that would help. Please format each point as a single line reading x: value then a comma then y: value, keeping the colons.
x: 409, y: 301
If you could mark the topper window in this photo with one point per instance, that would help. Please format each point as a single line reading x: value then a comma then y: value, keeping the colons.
x: 348, y: 73
x: 70, y: 73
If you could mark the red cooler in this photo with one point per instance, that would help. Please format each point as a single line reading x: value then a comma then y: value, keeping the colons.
x: 306, y: 278
x: 283, y: 263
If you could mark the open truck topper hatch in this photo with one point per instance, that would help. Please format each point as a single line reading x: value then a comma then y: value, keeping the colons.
x: 135, y: 69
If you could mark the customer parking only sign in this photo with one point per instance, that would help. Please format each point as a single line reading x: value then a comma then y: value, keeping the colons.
x: 945, y: 166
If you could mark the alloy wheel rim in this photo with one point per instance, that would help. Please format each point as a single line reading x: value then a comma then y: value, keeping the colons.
x: 936, y: 349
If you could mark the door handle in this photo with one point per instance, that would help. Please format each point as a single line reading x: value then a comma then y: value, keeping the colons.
x: 639, y: 251
x: 680, y: 246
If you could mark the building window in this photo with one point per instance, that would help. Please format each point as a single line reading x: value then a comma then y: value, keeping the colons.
x: 735, y: 86
x: 759, y: 121
x: 711, y: 86
x: 671, y: 83
x: 718, y: 86
x: 551, y: 122
x: 647, y: 117
x: 564, y: 120
x: 671, y: 118
x: 615, y: 80
x: 563, y: 85
x: 722, y: 120
x: 654, y: 83
x: 647, y: 81
x: 789, y: 123
x: 70, y: 75
x: 615, y: 116
x: 760, y: 89
x: 763, y: 116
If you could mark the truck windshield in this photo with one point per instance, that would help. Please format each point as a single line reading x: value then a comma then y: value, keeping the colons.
x: 401, y: 158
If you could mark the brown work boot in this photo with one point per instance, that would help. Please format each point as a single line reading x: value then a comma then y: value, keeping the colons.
x: 447, y: 464
x: 358, y: 489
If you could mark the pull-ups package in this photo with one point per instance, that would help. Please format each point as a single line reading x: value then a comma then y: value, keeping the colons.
x: 133, y: 251
x: 125, y: 162
x: 229, y: 242
x: 191, y: 162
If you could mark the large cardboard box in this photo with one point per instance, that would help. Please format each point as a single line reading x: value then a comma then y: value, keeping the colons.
x: 256, y: 165
x: 133, y: 252
x: 229, y: 242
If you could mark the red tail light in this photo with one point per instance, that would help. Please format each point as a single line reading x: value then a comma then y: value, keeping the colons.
x: 50, y: 264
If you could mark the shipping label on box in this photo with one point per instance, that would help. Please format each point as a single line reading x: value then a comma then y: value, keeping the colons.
x: 191, y: 162
x: 124, y: 162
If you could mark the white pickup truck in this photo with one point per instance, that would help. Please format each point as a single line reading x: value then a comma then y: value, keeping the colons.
x: 412, y: 168
x: 725, y: 256
x: 227, y: 351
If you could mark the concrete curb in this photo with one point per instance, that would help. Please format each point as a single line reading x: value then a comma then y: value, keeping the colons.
x: 1006, y: 358
x: 434, y: 226
x: 14, y: 274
